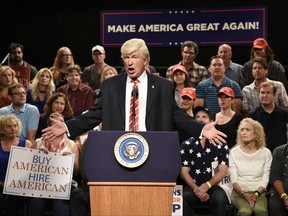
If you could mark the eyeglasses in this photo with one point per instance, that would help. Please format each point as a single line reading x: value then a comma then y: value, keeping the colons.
x: 19, y: 93
x: 66, y: 55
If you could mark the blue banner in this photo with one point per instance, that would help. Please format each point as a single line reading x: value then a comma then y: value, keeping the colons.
x: 168, y: 28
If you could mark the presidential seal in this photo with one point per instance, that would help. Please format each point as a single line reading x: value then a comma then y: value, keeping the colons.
x: 131, y: 150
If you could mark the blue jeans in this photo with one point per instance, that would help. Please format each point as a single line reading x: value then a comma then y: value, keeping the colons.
x: 218, y: 201
x: 276, y: 206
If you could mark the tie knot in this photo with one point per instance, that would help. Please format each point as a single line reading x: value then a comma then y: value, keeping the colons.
x: 136, y: 81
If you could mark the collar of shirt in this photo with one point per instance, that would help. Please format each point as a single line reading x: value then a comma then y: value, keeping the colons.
x: 22, y: 110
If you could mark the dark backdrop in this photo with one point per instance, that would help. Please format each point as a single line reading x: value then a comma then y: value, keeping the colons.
x: 44, y: 27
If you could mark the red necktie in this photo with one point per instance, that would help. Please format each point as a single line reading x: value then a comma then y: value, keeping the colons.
x: 134, y: 108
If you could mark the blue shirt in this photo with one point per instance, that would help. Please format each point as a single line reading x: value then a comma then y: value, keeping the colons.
x: 38, y: 103
x: 4, y: 158
x: 28, y: 114
x: 207, y: 90
x: 233, y: 72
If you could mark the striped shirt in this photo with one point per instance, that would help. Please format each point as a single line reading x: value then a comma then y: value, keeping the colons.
x: 207, y: 90
x: 251, y: 95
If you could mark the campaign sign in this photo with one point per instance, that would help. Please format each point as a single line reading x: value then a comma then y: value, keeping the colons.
x: 33, y: 173
x: 168, y: 28
x: 177, y: 206
x: 22, y: 73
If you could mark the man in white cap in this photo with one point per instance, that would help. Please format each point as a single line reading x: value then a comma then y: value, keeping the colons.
x: 92, y: 74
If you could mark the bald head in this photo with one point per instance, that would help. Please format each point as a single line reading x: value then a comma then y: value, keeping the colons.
x: 225, y: 51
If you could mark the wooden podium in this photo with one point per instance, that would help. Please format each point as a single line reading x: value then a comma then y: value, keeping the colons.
x: 131, y: 198
x: 143, y: 191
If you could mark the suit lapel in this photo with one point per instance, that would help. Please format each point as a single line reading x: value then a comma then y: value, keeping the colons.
x: 153, y: 87
x: 121, y: 88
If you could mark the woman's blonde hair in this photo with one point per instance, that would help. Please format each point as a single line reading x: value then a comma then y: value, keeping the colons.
x: 106, y: 69
x: 4, y: 119
x: 5, y: 68
x: 14, y: 78
x: 260, y: 137
x: 34, y: 85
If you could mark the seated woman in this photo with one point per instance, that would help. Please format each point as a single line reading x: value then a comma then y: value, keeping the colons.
x: 180, y: 80
x: 64, y: 146
x: 107, y: 72
x: 10, y: 129
x: 57, y: 103
x: 42, y: 88
x: 227, y: 119
x: 7, y: 78
x: 249, y: 167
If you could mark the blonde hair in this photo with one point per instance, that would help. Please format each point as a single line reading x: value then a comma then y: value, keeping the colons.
x: 34, y: 85
x: 7, y: 68
x: 260, y: 137
x: 14, y: 80
x: 135, y: 44
x: 4, y: 119
x: 106, y: 69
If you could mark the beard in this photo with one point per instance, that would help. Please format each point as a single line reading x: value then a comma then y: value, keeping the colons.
x: 16, y: 60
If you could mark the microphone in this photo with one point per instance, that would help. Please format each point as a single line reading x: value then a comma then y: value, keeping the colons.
x: 134, y: 92
x: 134, y: 95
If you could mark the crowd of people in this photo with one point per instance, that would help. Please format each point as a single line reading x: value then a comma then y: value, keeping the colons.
x: 230, y: 118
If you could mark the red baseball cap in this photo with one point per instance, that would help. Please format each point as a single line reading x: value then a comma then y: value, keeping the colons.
x: 179, y: 67
x: 260, y: 43
x: 190, y: 92
x: 227, y: 91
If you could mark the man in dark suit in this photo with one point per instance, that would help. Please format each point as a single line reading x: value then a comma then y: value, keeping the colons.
x: 158, y: 110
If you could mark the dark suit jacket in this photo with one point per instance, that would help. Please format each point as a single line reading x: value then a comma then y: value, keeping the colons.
x: 162, y: 112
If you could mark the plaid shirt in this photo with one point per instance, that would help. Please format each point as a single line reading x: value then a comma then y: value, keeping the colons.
x: 251, y: 95
x: 199, y: 69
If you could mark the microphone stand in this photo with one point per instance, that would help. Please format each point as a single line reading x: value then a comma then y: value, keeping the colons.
x: 6, y: 57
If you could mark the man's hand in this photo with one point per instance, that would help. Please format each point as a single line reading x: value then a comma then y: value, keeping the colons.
x: 214, y: 136
x: 56, y: 129
x: 204, y: 197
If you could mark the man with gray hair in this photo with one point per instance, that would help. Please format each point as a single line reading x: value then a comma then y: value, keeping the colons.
x: 92, y: 74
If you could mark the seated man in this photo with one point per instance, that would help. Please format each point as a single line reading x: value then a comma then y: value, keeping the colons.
x: 278, y: 201
x: 27, y: 113
x: 80, y: 95
x: 198, y: 159
x: 206, y: 90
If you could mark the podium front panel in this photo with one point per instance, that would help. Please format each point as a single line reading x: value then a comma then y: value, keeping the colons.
x: 162, y: 165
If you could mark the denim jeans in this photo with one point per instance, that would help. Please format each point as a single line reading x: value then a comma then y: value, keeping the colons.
x: 276, y: 206
x: 218, y: 201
